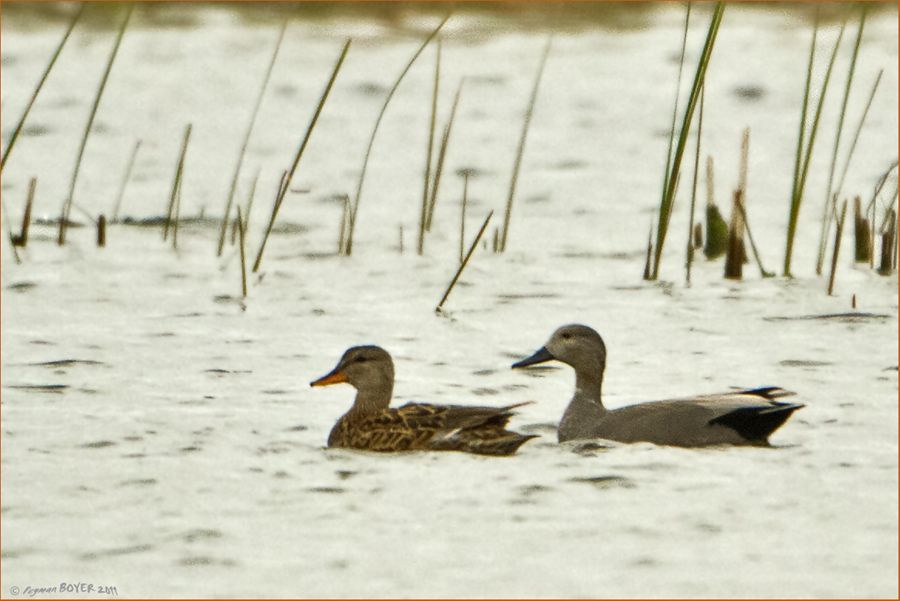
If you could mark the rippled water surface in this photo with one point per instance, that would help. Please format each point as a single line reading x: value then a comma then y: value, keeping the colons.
x: 159, y: 435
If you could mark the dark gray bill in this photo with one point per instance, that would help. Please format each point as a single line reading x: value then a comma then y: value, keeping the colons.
x: 540, y: 356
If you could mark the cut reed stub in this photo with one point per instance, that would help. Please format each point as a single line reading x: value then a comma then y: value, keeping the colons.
x: 736, y: 254
x: 888, y: 245
x: 101, y: 231
x: 863, y: 246
x: 22, y: 238
x: 649, y: 258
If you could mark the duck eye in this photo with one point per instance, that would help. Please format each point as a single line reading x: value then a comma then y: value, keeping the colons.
x: 566, y: 336
x: 360, y: 359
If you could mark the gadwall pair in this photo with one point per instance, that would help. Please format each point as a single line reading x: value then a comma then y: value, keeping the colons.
x: 746, y: 417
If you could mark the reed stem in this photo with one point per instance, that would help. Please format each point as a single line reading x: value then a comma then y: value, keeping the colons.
x: 431, y: 126
x: 22, y: 238
x: 665, y: 209
x: 800, y: 182
x: 837, y: 248
x: 67, y: 208
x: 829, y: 189
x: 124, y: 183
x: 520, y: 150
x: 9, y: 234
x: 442, y: 155
x: 243, y: 151
x: 241, y: 229
x: 465, y: 262
x: 309, y: 129
x: 690, y: 236
x: 18, y: 129
x: 279, y: 198
x: 176, y: 182
x: 354, y: 207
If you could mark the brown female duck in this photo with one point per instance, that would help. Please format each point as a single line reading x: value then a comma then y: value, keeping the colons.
x: 372, y: 425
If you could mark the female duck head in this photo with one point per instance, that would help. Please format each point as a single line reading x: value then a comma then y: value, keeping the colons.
x: 369, y: 369
x: 576, y: 345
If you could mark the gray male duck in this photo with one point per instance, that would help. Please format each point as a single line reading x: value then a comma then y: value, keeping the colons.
x: 745, y: 417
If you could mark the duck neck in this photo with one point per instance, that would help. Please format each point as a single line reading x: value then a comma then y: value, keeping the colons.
x: 372, y: 399
x: 586, y: 409
x: 588, y: 384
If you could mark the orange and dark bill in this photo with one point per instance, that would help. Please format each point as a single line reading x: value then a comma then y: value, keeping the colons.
x: 333, y: 377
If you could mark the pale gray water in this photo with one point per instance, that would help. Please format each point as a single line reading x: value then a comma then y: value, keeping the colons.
x: 181, y: 452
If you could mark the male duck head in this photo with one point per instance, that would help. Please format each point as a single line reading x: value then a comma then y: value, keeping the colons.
x: 577, y: 345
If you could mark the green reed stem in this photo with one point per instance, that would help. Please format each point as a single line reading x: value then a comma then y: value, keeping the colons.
x: 665, y: 208
x: 830, y: 190
x: 800, y: 184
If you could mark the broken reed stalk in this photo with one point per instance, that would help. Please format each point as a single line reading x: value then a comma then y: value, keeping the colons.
x: 124, y: 183
x: 462, y: 217
x: 830, y: 190
x: 15, y: 133
x: 22, y: 238
x: 668, y: 198
x: 427, y: 179
x: 800, y: 174
x: 176, y: 182
x: 871, y: 209
x: 67, y: 207
x: 400, y: 225
x: 442, y: 155
x: 354, y: 205
x: 716, y: 228
x: 739, y: 204
x: 520, y: 149
x: 862, y: 241
x: 465, y: 262
x: 232, y: 189
x: 309, y: 129
x: 279, y: 198
x: 101, y: 231
x: 345, y: 215
x: 9, y: 234
x: 241, y: 229
x: 690, y: 236
x: 837, y: 247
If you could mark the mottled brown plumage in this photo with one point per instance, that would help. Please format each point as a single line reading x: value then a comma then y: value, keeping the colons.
x: 371, y: 425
